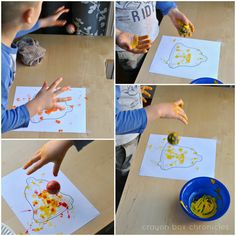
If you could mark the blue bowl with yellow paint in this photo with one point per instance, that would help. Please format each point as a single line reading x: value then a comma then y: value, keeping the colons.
x: 206, y: 80
x: 204, y: 198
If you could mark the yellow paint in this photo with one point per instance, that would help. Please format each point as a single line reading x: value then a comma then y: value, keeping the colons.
x: 37, y: 229
x: 134, y: 43
x: 188, y: 58
x: 213, y: 181
x: 181, y: 158
x: 204, y: 207
x: 185, y: 207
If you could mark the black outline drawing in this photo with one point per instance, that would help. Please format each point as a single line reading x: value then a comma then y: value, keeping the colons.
x: 58, y: 214
x: 173, y: 51
x: 66, y: 112
x: 161, y: 160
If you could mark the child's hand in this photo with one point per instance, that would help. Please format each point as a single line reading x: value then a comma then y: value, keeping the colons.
x: 53, y: 151
x: 53, y: 19
x: 167, y: 110
x: 133, y: 43
x: 144, y: 91
x: 47, y: 98
x: 184, y: 26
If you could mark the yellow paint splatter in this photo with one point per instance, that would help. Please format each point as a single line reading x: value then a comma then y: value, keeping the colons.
x: 185, y: 207
x: 213, y: 181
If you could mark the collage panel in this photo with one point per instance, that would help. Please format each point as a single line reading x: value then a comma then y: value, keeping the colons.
x: 175, y: 42
x: 61, y: 83
x: 60, y: 187
x: 175, y: 159
x: 117, y: 117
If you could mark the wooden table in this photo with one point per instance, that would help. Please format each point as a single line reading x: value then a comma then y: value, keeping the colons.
x: 81, y: 61
x: 150, y: 205
x: 91, y: 170
x: 206, y: 16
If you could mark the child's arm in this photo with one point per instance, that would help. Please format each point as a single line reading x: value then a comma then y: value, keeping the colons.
x: 167, y: 110
x: 165, y: 7
x: 13, y: 118
x: 176, y: 16
x: 133, y: 43
x: 46, y: 22
x: 135, y: 121
x: 53, y: 151
x: 53, y: 20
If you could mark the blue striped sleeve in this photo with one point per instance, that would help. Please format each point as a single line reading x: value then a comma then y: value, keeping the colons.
x: 165, y: 7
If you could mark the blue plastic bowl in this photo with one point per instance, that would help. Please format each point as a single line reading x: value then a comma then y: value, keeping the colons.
x: 206, y: 80
x: 196, y: 188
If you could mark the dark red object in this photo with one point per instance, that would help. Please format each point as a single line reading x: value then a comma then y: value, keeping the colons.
x: 53, y: 187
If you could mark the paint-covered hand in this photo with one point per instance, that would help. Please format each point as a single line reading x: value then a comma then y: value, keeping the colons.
x: 133, y: 43
x: 53, y: 151
x: 47, y: 98
x: 53, y: 20
x: 184, y: 26
x: 167, y: 110
x: 145, y: 93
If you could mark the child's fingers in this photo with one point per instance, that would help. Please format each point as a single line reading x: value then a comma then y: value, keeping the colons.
x: 182, y: 113
x: 143, y: 37
x: 55, y: 83
x: 32, y: 161
x: 138, y: 51
x: 61, y: 90
x: 147, y: 41
x: 144, y: 100
x: 182, y: 118
x: 146, y: 93
x: 59, y: 9
x: 64, y: 99
x: 56, y: 168
x: 143, y: 46
x: 61, y: 108
x: 45, y: 85
x: 147, y: 87
x: 191, y: 26
x: 35, y: 167
x: 60, y: 23
x: 58, y: 14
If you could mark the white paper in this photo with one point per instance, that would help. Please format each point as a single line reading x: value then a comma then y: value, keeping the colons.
x: 21, y: 192
x: 192, y: 157
x: 186, y: 58
x: 72, y: 119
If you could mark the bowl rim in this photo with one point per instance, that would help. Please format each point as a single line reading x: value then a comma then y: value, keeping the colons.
x: 201, y: 78
x: 189, y: 213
